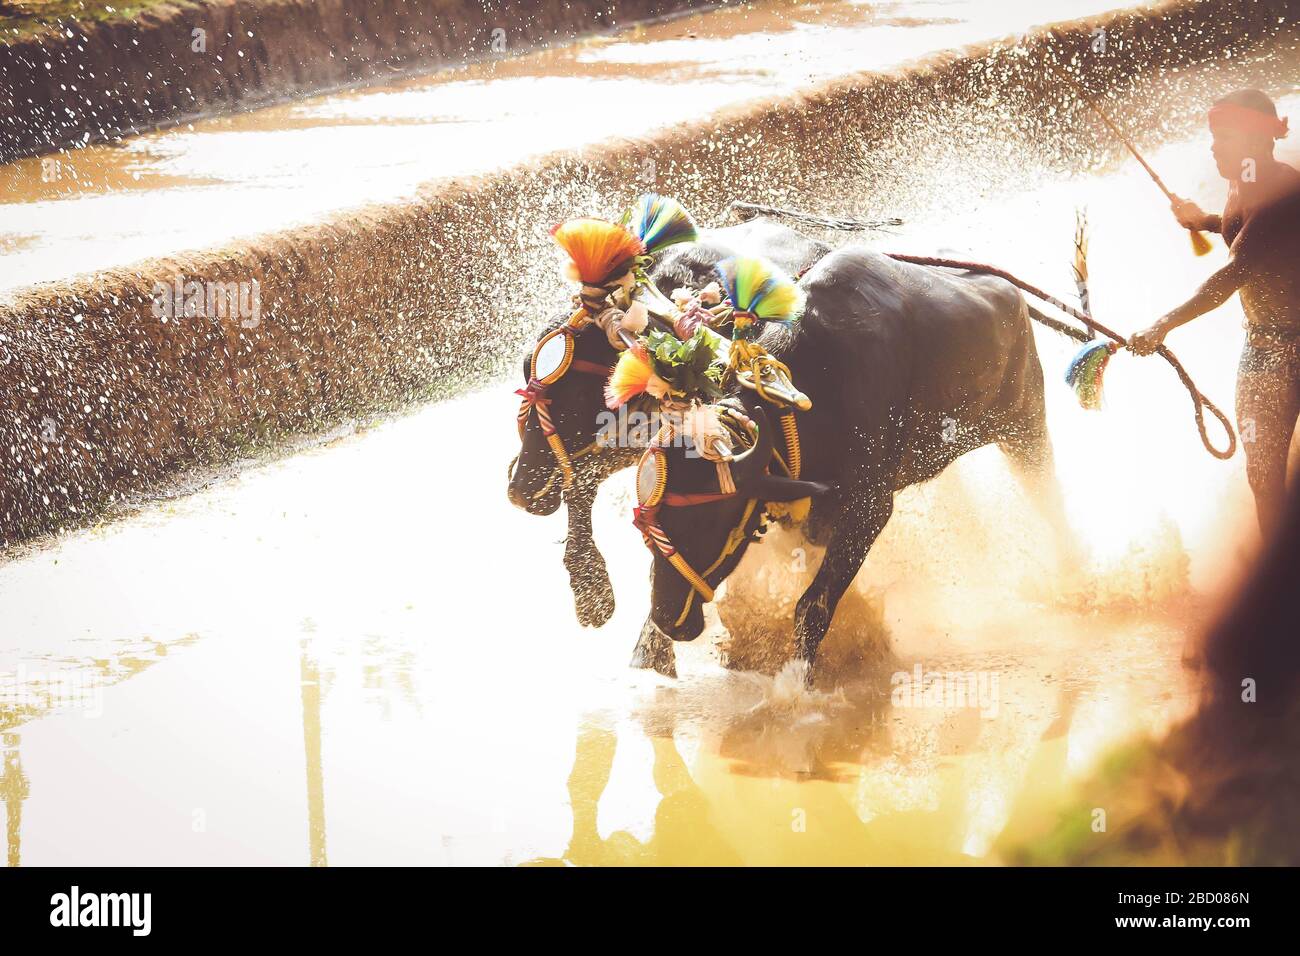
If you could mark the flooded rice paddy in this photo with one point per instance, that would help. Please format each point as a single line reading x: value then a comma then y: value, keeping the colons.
x: 363, y: 654
x: 230, y: 178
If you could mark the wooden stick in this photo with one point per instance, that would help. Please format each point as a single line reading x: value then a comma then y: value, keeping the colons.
x: 1200, y: 245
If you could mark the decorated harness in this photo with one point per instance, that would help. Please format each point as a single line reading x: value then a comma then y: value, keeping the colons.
x: 670, y: 350
x: 552, y: 359
x: 652, y: 495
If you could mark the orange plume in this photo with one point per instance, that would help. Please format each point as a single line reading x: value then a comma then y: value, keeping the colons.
x: 600, y: 250
x: 629, y: 378
x: 632, y: 375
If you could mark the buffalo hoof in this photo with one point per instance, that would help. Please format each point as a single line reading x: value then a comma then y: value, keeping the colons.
x: 594, y: 610
x: 593, y: 597
x: 654, y: 652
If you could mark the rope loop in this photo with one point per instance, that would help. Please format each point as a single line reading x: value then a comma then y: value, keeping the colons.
x: 1199, y: 404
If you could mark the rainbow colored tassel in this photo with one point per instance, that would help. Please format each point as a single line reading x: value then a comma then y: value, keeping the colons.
x: 633, y: 374
x: 759, y: 292
x: 1086, y: 370
x: 600, y: 250
x: 659, y: 222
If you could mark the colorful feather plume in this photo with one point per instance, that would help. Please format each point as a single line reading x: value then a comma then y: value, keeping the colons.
x: 659, y: 222
x: 1086, y: 370
x: 1088, y: 366
x: 632, y: 375
x: 599, y: 250
x: 1081, y: 259
x: 759, y: 292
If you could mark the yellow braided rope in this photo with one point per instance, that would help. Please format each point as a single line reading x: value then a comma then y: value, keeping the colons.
x: 734, y: 540
x: 797, y: 510
x: 561, y: 456
x: 696, y: 582
x: 555, y: 472
x: 746, y: 356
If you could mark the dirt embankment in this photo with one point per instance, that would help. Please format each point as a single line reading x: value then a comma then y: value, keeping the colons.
x: 103, y: 395
x: 96, y: 79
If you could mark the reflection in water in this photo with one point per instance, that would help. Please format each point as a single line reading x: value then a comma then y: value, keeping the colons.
x: 684, y: 833
x: 311, y: 701
x: 753, y: 770
x: 815, y: 780
x: 387, y: 674
x: 718, y: 817
x: 39, y: 685
x: 14, y: 788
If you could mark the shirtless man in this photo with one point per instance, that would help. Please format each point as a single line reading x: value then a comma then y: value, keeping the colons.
x: 1261, y: 225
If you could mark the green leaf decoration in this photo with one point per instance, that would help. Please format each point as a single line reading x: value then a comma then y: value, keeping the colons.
x: 690, y: 367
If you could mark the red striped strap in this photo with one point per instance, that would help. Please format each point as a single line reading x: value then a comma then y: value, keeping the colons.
x: 675, y: 499
x: 591, y: 368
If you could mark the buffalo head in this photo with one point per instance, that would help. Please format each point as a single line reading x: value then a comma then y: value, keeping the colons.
x: 563, y: 383
x: 700, y: 520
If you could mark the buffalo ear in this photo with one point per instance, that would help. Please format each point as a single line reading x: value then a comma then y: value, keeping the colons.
x: 780, y: 488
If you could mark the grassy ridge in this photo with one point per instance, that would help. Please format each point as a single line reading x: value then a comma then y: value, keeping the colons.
x: 20, y: 19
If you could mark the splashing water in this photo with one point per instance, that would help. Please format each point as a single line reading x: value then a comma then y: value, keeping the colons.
x: 441, y: 667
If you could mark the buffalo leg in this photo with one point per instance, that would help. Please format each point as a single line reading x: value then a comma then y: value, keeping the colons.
x: 593, y: 595
x: 654, y: 651
x: 863, y: 517
x: 1029, y: 451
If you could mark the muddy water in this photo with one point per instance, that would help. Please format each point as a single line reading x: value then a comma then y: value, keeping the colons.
x: 362, y: 654
x: 218, y: 181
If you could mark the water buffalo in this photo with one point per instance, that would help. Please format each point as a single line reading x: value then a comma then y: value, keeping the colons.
x: 908, y: 368
x: 576, y: 403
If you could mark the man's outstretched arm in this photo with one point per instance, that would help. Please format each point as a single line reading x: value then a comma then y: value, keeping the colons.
x: 1214, y: 291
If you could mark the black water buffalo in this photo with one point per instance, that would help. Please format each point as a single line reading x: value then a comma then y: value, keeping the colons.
x: 577, y: 402
x: 908, y: 368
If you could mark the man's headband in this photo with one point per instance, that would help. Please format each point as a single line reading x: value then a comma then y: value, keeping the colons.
x: 1245, y: 120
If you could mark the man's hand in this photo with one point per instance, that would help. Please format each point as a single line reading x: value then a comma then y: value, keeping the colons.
x: 1188, y: 214
x: 1148, y: 340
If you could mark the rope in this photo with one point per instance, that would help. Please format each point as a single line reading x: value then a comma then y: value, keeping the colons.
x: 1079, y: 335
x: 747, y: 356
x: 1199, y: 401
x: 826, y: 222
x: 734, y: 539
x: 557, y: 472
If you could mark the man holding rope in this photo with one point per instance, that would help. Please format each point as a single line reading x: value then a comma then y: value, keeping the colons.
x: 1261, y: 225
